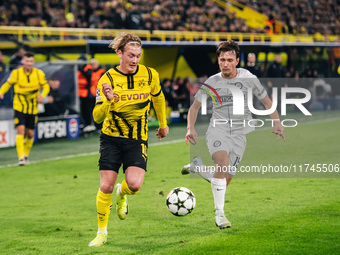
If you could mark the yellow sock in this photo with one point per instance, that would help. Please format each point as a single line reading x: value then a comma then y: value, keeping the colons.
x: 28, y: 145
x: 19, y: 142
x: 104, y: 205
x: 124, y: 189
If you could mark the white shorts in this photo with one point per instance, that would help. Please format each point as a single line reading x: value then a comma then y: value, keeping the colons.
x: 233, y: 145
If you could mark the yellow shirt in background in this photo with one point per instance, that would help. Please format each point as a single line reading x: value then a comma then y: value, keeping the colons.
x: 27, y: 88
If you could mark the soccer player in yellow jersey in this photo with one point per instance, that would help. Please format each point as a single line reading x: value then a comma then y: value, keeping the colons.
x: 30, y: 88
x: 124, y: 94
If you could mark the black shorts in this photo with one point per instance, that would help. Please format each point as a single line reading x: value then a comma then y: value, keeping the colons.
x: 28, y: 120
x: 115, y: 151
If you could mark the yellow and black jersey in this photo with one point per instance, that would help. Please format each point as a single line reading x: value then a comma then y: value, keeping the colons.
x: 27, y: 88
x: 127, y: 114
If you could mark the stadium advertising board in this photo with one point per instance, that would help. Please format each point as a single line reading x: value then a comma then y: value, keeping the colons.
x: 57, y: 127
x: 7, y: 133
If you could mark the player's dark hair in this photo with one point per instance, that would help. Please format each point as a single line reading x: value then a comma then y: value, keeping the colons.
x: 29, y: 54
x: 228, y: 45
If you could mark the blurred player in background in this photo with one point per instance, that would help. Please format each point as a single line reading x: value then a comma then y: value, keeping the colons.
x: 226, y: 143
x: 123, y: 100
x: 28, y: 82
x: 97, y: 73
x: 88, y: 77
x: 251, y: 65
x: 86, y: 98
x: 2, y: 64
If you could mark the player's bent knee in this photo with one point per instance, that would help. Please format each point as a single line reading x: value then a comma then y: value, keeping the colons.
x: 106, y: 188
x: 30, y: 136
x: 134, y: 187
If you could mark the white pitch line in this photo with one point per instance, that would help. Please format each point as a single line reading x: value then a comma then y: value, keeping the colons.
x: 89, y: 153
x: 166, y: 142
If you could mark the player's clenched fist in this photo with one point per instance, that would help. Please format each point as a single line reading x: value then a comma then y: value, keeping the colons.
x: 107, y: 91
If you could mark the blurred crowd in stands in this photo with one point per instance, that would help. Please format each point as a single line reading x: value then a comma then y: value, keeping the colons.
x: 300, y: 16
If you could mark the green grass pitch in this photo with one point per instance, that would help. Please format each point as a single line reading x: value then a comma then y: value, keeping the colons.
x: 48, y: 207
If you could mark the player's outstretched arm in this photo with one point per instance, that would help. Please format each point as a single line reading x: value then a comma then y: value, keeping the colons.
x: 191, y: 135
x: 101, y: 110
x: 278, y: 129
x: 44, y: 86
x: 8, y: 84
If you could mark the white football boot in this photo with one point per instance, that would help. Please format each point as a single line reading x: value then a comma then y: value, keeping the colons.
x: 192, y: 167
x: 222, y: 222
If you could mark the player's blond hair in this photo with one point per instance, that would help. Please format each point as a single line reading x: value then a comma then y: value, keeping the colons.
x: 124, y: 39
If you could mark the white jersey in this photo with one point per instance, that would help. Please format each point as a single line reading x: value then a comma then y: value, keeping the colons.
x: 230, y: 123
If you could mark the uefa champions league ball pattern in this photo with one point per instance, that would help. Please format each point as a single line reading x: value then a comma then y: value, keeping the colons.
x: 180, y: 201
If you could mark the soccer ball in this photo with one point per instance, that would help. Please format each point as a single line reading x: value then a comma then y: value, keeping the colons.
x: 180, y: 201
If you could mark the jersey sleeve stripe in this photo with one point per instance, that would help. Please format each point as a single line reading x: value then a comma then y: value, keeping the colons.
x: 110, y: 78
x: 157, y: 94
x: 99, y: 103
x: 150, y: 75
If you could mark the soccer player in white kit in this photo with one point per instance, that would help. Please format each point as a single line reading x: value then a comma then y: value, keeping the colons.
x: 226, y: 140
